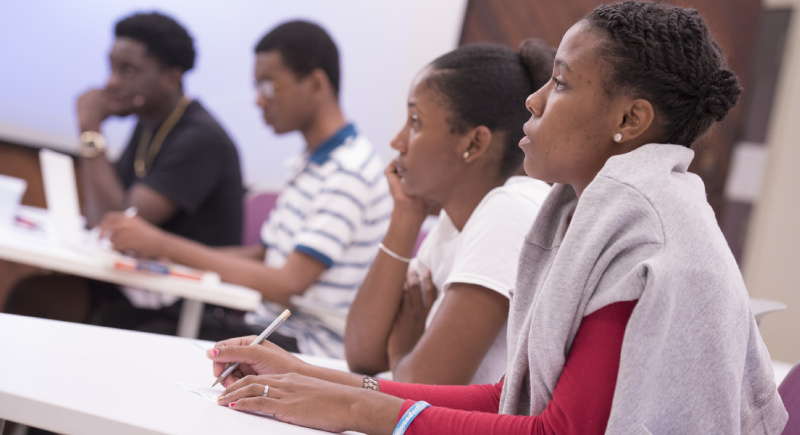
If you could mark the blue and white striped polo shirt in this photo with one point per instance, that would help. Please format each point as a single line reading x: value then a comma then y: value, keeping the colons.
x: 335, y: 208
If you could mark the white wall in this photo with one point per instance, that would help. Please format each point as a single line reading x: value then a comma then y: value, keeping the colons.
x: 772, y: 263
x: 52, y: 51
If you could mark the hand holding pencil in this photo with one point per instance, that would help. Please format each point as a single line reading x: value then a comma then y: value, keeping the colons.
x: 251, y: 356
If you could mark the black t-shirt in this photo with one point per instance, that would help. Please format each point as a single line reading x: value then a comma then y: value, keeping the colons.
x: 197, y: 168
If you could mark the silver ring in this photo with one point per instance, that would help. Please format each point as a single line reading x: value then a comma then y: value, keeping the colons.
x: 266, y: 390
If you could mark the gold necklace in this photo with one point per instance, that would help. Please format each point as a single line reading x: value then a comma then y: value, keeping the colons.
x: 145, y: 155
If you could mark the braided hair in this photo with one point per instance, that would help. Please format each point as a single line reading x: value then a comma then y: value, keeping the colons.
x: 486, y: 84
x: 667, y: 55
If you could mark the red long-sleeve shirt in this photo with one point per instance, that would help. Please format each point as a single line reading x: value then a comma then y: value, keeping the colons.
x: 581, y: 401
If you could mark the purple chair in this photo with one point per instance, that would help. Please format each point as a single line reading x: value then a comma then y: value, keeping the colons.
x: 420, y: 238
x: 257, y: 207
x: 790, y: 394
x: 427, y: 226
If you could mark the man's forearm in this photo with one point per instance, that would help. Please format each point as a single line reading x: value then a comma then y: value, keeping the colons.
x: 276, y: 285
x: 101, y: 188
x: 256, y: 252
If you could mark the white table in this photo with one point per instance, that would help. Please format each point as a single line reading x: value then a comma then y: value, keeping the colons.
x: 37, y: 248
x: 762, y: 307
x: 81, y: 379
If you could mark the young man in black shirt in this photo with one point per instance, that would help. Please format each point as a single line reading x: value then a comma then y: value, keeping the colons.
x: 180, y: 169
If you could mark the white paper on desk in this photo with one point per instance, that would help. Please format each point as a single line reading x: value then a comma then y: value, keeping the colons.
x: 212, y: 394
x: 202, y: 345
x: 204, y: 391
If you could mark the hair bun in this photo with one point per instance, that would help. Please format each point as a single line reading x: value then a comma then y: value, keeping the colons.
x: 537, y: 58
x: 719, y: 95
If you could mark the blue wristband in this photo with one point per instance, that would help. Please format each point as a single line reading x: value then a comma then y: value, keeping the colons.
x: 409, y: 416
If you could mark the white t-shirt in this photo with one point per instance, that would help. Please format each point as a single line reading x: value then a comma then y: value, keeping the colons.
x: 486, y: 253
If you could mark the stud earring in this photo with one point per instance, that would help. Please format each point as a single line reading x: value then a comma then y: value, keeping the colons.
x: 618, y: 137
x: 466, y: 154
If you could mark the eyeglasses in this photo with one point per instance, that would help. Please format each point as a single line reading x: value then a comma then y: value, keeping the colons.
x: 267, y: 88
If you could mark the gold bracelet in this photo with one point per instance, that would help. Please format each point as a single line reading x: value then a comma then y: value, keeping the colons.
x: 92, y: 144
x: 371, y: 383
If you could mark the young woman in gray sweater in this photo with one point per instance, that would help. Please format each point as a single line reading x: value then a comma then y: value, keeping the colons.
x: 629, y: 314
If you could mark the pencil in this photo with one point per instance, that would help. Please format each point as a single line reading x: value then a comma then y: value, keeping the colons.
x: 260, y: 339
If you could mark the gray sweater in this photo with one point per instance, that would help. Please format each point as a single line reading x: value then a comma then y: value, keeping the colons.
x: 692, y: 358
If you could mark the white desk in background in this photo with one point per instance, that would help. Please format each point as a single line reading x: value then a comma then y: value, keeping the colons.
x: 82, y: 379
x: 34, y: 247
x: 762, y: 307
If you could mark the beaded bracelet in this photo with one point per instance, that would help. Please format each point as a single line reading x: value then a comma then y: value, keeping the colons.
x: 371, y: 383
x: 409, y: 416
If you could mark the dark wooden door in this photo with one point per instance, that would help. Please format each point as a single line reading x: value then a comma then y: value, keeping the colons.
x: 733, y: 22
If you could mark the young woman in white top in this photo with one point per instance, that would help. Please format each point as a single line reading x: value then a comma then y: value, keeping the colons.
x: 442, y: 319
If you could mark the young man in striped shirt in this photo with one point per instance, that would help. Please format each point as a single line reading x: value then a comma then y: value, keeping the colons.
x: 321, y: 237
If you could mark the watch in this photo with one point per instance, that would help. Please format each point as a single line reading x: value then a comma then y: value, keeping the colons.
x: 92, y: 144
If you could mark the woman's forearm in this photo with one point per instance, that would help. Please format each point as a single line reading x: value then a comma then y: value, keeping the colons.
x: 372, y: 313
x: 331, y: 375
x: 375, y: 414
x: 452, y: 347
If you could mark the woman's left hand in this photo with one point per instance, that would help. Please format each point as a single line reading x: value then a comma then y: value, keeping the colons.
x: 409, y: 325
x: 314, y: 403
